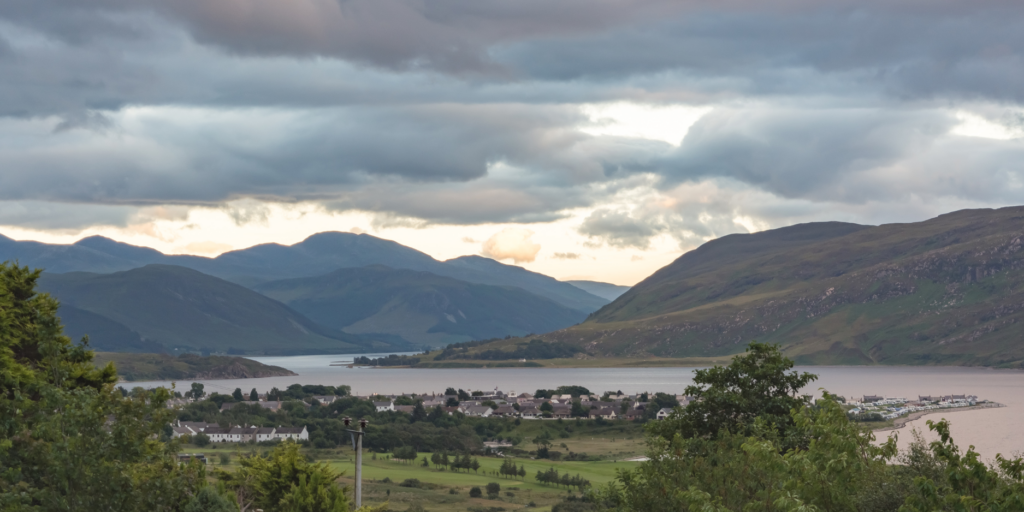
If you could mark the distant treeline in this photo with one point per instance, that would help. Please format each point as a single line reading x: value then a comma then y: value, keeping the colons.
x: 535, y: 349
x: 391, y: 360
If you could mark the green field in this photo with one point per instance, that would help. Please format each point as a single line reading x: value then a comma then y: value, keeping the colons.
x: 438, y: 484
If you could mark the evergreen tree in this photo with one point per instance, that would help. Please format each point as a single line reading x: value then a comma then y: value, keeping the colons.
x: 68, y: 439
x: 237, y: 395
x: 254, y: 396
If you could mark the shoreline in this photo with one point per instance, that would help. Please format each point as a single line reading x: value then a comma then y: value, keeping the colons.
x: 902, y: 421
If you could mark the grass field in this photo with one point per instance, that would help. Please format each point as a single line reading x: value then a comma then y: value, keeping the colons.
x: 438, y: 485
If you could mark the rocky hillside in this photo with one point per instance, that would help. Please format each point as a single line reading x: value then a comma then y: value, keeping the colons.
x: 949, y: 290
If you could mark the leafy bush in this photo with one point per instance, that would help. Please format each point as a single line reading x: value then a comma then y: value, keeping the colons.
x: 411, y: 482
x: 475, y: 492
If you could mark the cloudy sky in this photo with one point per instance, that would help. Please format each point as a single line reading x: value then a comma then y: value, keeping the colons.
x: 580, y: 138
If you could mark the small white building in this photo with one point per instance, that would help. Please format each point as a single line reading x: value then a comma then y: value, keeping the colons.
x: 384, y: 406
x: 665, y: 412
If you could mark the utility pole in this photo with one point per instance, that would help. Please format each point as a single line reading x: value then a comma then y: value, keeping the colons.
x: 357, y: 445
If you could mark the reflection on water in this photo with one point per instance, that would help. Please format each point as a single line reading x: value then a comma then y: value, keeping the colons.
x: 991, y: 431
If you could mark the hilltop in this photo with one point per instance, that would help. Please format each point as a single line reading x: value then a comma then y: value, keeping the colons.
x: 316, y: 255
x: 949, y: 291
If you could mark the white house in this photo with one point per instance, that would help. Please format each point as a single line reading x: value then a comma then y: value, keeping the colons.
x: 293, y: 433
x: 479, y: 411
x: 217, y: 434
x: 265, y: 434
x: 664, y: 413
x: 384, y: 406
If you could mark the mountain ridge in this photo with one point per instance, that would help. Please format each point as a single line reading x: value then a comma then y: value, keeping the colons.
x: 948, y: 290
x: 318, y: 254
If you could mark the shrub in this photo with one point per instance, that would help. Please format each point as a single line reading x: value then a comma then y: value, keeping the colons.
x: 493, y: 489
x: 410, y: 482
x: 225, y: 459
x: 387, y: 480
x: 201, y: 439
x: 475, y: 492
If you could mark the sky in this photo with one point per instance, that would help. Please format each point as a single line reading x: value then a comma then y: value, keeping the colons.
x: 595, y: 139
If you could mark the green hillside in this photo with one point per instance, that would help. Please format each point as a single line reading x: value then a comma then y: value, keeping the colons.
x: 949, y: 290
x: 135, y: 367
x: 419, y: 306
x: 173, y: 307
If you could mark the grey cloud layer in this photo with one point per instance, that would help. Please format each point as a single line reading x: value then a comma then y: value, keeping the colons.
x: 454, y: 111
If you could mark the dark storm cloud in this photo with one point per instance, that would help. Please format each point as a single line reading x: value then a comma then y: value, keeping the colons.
x: 801, y: 152
x: 412, y: 108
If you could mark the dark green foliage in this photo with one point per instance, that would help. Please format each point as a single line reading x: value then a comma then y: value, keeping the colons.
x: 575, y: 391
x: 410, y: 482
x: 237, y: 395
x: 534, y: 349
x: 754, y: 387
x: 69, y: 441
x: 475, y: 492
x: 254, y: 396
x: 285, y: 481
x: 209, y: 500
x: 493, y: 489
x: 200, y: 439
x: 391, y: 360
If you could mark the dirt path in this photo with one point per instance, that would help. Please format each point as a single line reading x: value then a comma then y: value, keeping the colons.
x: 902, y: 421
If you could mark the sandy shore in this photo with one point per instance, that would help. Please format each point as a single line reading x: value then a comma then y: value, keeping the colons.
x: 902, y: 421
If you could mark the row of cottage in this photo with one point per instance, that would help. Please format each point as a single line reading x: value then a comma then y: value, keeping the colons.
x: 238, y: 433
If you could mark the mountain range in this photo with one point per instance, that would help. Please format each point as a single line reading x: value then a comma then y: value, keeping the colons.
x: 949, y: 290
x: 333, y: 292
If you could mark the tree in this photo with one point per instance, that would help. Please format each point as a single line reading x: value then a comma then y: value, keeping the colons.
x: 209, y: 500
x: 452, y: 402
x: 546, y: 407
x: 201, y: 440
x: 419, y: 413
x: 475, y: 492
x: 475, y: 465
x: 493, y: 490
x: 284, y: 480
x: 197, y: 390
x: 254, y: 396
x: 425, y: 463
x: 463, y: 396
x: 237, y: 395
x: 578, y: 411
x: 68, y: 439
x: 754, y: 386
x: 451, y: 392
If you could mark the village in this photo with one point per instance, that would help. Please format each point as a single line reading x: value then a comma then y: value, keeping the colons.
x: 525, y: 406
x: 894, y: 407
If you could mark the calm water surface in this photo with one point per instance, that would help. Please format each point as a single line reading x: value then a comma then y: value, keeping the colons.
x: 990, y: 431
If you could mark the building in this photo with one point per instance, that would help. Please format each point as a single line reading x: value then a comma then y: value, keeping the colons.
x: 478, y: 411
x: 325, y: 400
x: 407, y: 409
x: 177, y: 432
x: 293, y: 433
x: 606, y: 413
x: 664, y: 413
x: 384, y: 406
x: 217, y: 434
x: 265, y: 434
x: 505, y: 411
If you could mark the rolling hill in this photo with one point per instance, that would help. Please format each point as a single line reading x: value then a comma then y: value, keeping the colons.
x: 138, y: 367
x: 604, y: 290
x: 949, y: 290
x: 419, y: 306
x: 316, y: 255
x: 167, y: 307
